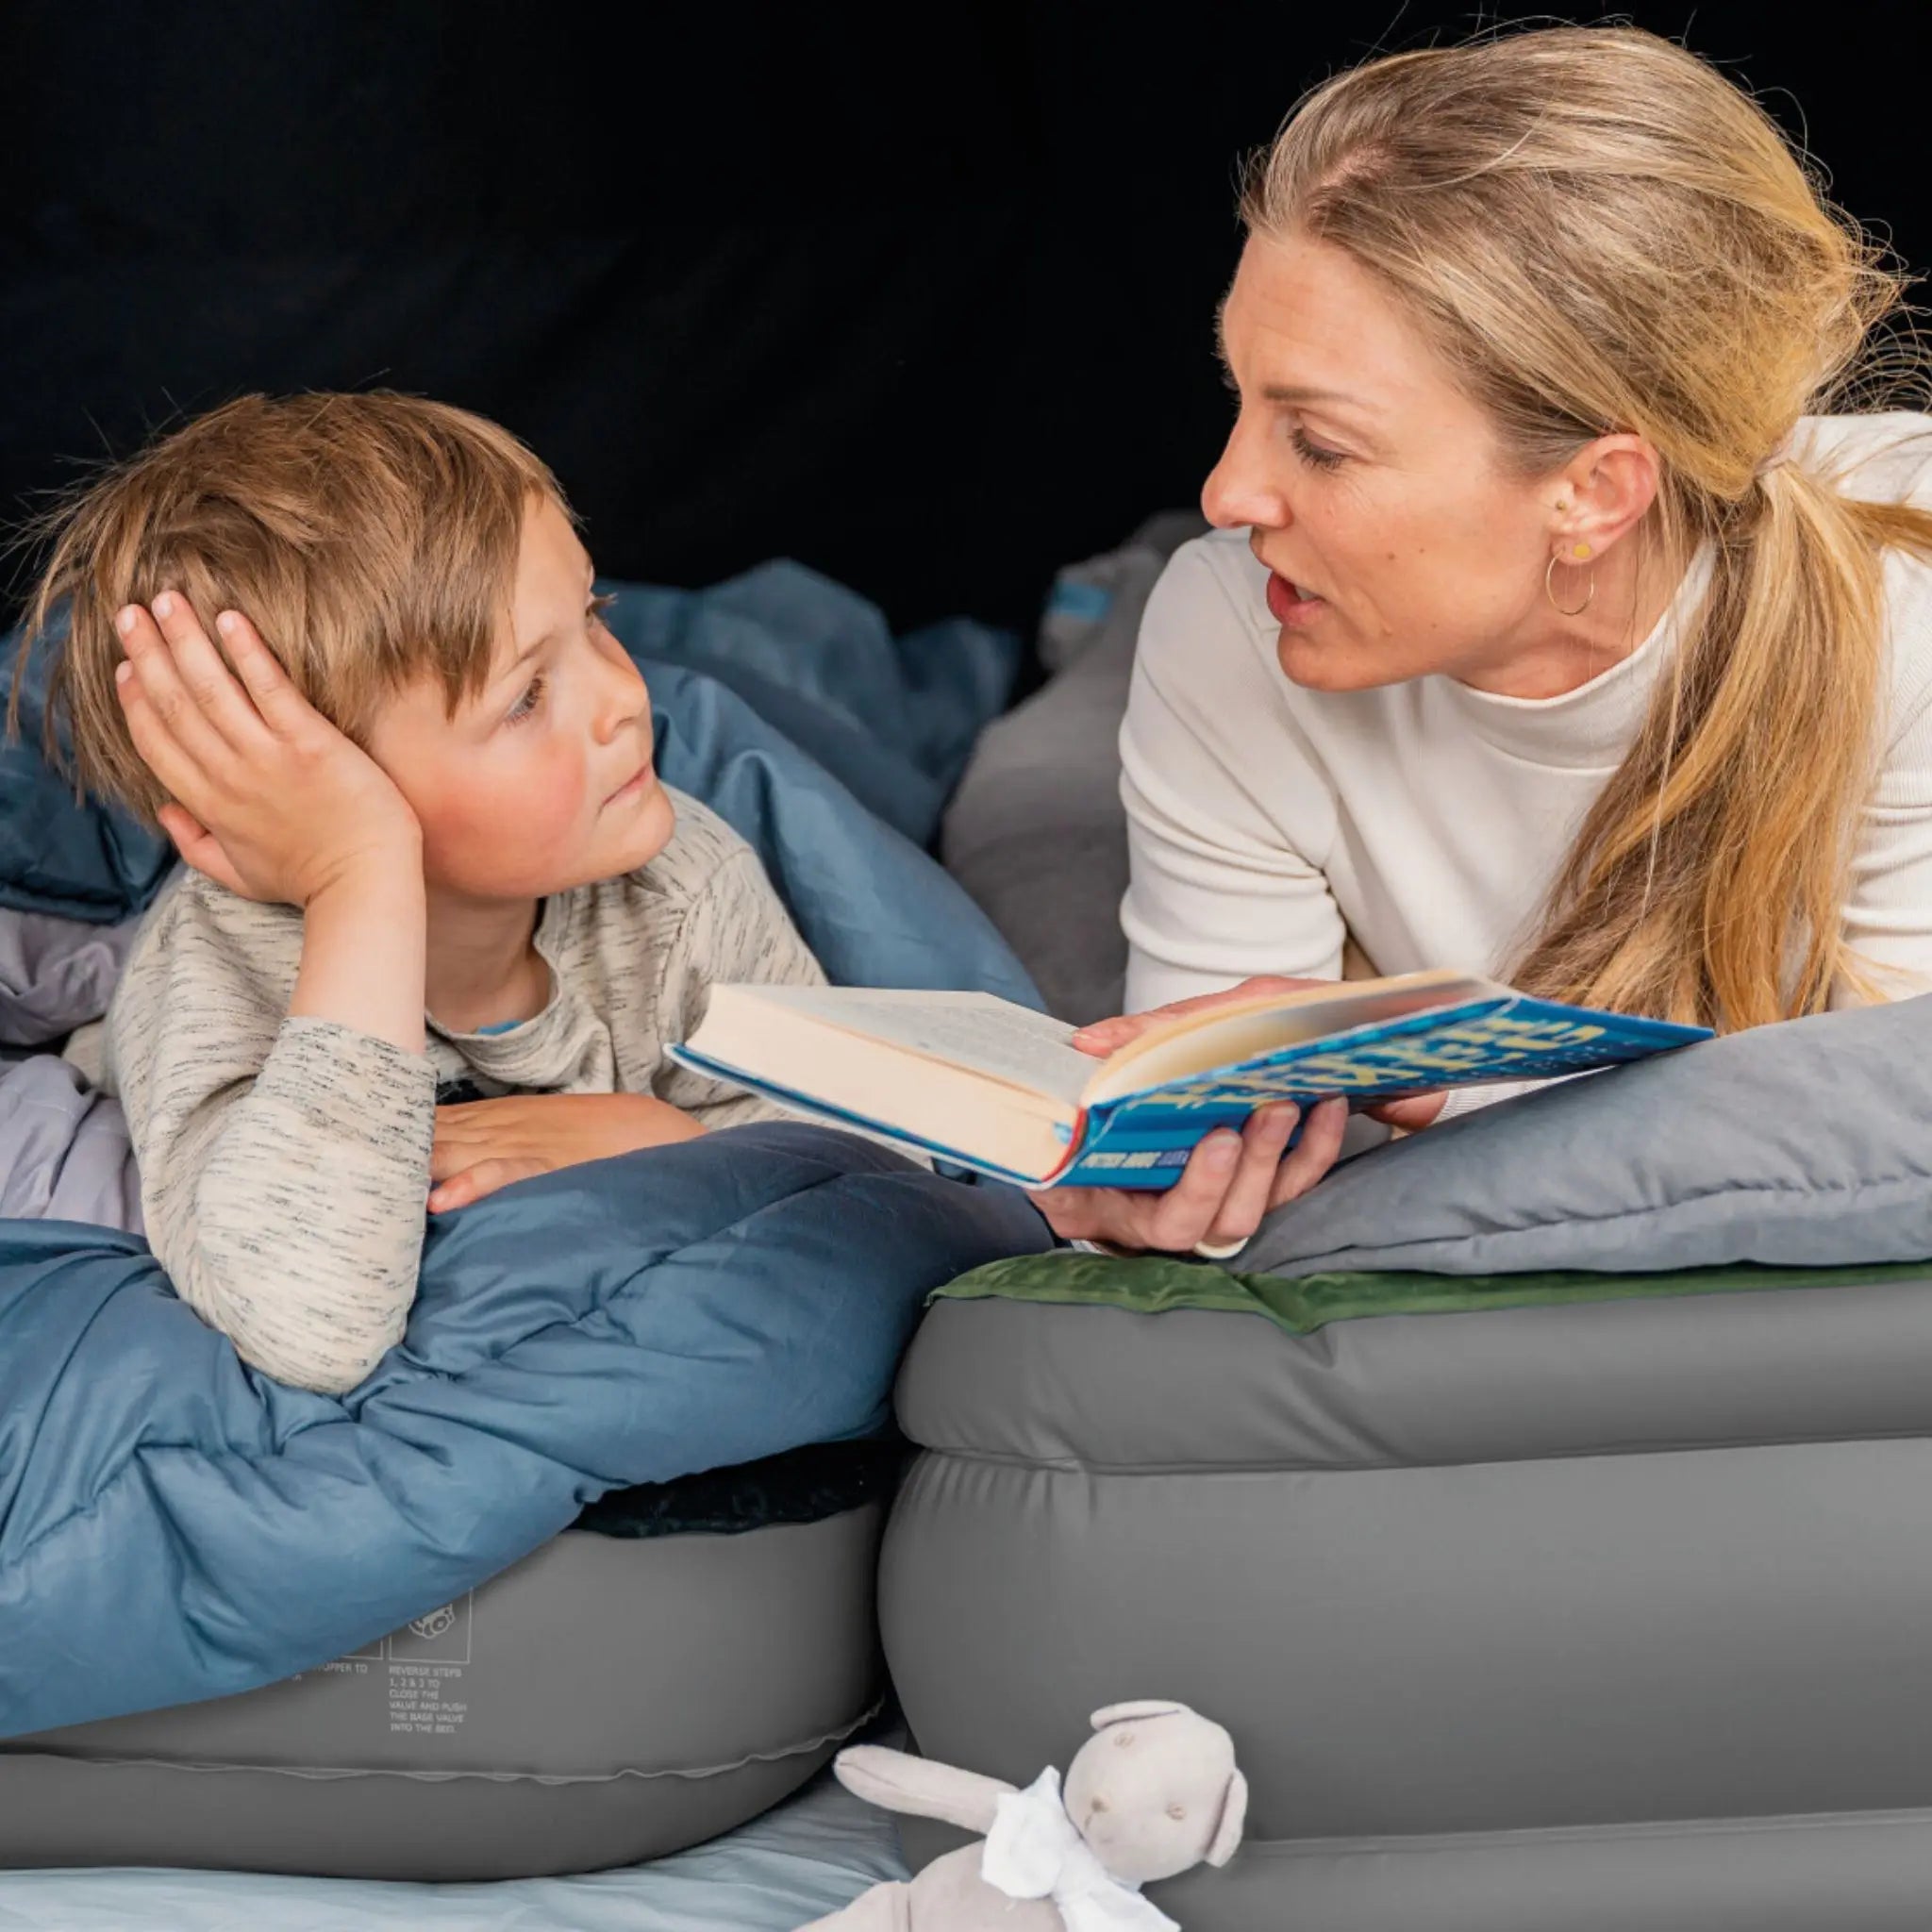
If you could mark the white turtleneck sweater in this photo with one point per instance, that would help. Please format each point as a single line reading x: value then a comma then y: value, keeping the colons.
x: 1429, y: 819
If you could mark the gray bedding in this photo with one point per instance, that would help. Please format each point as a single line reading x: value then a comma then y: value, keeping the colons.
x: 64, y: 1150
x: 1036, y: 832
x: 55, y: 974
x: 1805, y: 1143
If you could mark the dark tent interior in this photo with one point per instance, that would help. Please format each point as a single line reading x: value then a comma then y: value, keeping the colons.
x: 921, y: 301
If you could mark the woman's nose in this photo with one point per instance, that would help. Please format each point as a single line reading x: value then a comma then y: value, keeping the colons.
x: 1239, y: 492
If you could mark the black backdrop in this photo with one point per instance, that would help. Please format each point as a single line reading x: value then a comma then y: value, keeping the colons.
x: 924, y: 303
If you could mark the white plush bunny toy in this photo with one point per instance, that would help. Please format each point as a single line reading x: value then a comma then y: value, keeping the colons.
x: 1153, y: 1792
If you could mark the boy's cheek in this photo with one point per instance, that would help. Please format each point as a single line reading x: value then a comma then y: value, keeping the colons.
x: 503, y: 834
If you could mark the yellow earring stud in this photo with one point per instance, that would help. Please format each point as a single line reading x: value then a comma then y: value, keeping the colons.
x: 1579, y: 551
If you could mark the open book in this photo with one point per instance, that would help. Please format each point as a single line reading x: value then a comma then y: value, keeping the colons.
x: 978, y: 1081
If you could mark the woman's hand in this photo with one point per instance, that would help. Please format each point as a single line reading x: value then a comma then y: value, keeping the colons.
x: 269, y: 799
x: 1108, y: 1036
x: 1230, y: 1181
x: 485, y: 1144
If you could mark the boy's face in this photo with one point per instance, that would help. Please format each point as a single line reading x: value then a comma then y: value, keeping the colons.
x: 544, y: 779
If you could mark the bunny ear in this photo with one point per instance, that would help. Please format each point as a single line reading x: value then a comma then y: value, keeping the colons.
x: 1120, y: 1714
x: 1234, y: 1815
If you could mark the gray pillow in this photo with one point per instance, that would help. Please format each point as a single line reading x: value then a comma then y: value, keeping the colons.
x: 56, y: 973
x: 1801, y: 1145
x: 1036, y: 832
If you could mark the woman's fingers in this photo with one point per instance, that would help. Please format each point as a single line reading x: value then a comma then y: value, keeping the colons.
x: 1313, y: 1155
x: 1108, y: 1036
x: 1136, y: 1219
x: 1264, y: 1140
x: 1411, y: 1114
x: 1230, y: 1182
x: 1182, y: 1216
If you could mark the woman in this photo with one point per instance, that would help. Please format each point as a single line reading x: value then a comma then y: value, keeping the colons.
x: 1549, y: 626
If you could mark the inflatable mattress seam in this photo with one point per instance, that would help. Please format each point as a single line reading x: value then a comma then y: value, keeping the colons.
x: 326, y: 1774
x: 1609, y: 1452
x: 1535, y: 1836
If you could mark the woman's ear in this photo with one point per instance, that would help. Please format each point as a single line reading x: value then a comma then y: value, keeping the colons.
x: 1606, y: 491
x: 1234, y: 1816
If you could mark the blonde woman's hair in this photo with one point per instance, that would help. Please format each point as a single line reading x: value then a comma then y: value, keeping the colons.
x: 372, y: 538
x: 1598, y: 231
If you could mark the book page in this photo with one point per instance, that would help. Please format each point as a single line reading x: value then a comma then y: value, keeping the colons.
x: 976, y: 1030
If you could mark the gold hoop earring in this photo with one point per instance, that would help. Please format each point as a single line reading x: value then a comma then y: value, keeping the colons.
x: 1549, y: 570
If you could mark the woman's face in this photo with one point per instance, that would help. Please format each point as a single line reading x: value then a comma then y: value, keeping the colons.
x: 1367, y: 479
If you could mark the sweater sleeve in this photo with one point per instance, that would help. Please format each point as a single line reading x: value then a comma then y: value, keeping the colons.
x: 284, y: 1160
x: 1887, y: 914
x: 1222, y: 886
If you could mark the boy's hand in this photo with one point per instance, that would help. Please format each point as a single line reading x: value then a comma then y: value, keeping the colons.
x: 269, y: 799
x: 485, y: 1144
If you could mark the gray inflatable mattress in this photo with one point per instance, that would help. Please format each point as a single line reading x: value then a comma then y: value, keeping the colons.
x: 1564, y: 1600
x: 682, y: 1659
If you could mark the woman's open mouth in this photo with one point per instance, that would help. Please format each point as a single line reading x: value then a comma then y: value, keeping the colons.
x: 1289, y: 603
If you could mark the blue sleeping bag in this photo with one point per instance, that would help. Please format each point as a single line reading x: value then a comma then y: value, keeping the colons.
x: 173, y: 1525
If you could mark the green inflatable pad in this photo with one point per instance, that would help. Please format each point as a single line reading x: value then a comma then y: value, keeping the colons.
x: 1155, y: 1285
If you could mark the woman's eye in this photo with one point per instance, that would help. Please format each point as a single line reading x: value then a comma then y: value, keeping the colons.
x: 597, y: 608
x: 525, y: 707
x: 1314, y: 452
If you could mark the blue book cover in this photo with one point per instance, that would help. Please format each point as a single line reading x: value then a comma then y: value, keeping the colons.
x: 1144, y: 1139
x: 980, y: 1082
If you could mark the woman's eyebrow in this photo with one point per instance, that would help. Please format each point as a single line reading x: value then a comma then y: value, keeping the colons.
x: 1288, y: 391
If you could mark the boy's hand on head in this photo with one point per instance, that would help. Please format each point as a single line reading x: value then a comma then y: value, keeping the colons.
x: 485, y: 1144
x: 269, y: 799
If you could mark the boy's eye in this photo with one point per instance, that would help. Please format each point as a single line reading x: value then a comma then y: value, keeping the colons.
x: 525, y: 707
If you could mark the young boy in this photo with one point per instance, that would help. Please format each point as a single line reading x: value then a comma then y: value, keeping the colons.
x: 426, y: 850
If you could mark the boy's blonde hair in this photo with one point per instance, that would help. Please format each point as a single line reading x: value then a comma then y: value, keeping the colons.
x: 372, y: 540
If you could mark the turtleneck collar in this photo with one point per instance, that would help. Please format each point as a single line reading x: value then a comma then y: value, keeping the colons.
x: 1591, y: 726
